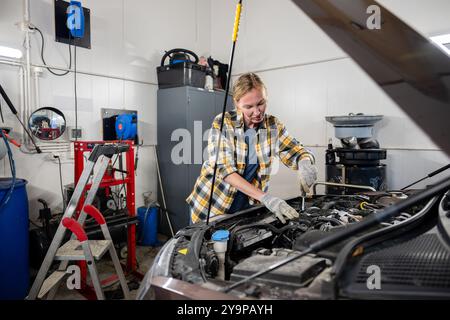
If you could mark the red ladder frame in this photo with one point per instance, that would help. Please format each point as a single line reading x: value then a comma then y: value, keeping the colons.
x: 82, y: 147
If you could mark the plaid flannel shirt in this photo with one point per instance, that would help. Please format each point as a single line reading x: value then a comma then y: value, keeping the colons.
x: 272, y: 139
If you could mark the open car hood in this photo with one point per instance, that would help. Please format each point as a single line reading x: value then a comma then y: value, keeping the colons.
x: 412, y: 71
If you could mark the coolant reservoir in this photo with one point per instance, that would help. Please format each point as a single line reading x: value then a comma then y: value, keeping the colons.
x: 220, y: 241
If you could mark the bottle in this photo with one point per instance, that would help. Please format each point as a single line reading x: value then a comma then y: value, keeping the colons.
x: 217, y: 84
x: 209, y: 82
x: 330, y: 156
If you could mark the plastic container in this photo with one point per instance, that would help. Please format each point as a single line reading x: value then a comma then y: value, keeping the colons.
x: 148, y: 226
x: 220, y: 241
x: 181, y: 74
x: 209, y: 80
x: 14, y: 272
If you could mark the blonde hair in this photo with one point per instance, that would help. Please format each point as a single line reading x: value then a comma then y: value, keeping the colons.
x: 246, y: 83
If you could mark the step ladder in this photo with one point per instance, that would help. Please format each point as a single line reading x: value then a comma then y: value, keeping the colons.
x: 79, y: 247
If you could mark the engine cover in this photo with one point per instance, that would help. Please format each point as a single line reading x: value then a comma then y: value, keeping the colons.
x: 294, y: 275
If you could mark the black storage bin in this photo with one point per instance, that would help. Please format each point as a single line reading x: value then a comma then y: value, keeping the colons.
x: 181, y: 74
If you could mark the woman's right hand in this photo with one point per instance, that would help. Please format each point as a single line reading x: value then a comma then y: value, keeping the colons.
x: 279, y: 207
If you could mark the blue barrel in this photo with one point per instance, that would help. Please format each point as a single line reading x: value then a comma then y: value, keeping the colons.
x: 14, y: 272
x: 148, y: 226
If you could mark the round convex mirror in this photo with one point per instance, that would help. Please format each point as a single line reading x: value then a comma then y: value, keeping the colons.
x: 47, y: 123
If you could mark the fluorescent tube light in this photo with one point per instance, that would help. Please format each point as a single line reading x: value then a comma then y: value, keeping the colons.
x: 443, y: 41
x: 8, y: 52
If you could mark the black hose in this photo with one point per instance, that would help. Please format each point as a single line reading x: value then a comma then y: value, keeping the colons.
x: 333, y: 220
x: 14, y: 112
x: 222, y: 120
x: 12, y: 165
x: 42, y: 55
x: 271, y: 227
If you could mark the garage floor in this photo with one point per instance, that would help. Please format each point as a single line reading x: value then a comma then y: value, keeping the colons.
x: 145, y: 257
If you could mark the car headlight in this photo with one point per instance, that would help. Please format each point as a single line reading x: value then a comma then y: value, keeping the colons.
x: 160, y: 267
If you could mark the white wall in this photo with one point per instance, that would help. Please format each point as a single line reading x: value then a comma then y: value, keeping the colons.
x: 128, y: 39
x: 316, y: 78
x: 309, y: 77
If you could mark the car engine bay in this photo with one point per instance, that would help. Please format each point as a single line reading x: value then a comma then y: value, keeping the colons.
x: 257, y: 240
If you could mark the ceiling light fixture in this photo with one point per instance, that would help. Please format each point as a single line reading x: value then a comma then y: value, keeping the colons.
x: 8, y: 52
x: 443, y: 41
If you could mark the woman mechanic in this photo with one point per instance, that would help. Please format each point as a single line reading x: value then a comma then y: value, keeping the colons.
x: 251, y: 139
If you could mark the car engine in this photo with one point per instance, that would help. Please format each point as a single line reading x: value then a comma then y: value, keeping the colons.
x: 258, y: 240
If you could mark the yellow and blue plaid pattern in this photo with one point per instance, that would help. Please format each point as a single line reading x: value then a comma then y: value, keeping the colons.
x: 272, y: 139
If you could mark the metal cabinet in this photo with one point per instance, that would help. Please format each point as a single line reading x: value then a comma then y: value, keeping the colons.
x: 184, y: 114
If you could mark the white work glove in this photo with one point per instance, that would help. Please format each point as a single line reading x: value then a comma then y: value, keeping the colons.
x: 279, y: 207
x: 308, y: 175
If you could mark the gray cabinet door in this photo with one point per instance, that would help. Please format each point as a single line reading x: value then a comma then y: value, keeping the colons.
x: 172, y: 106
x: 184, y: 115
x: 219, y: 97
x: 206, y: 114
x: 200, y: 116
